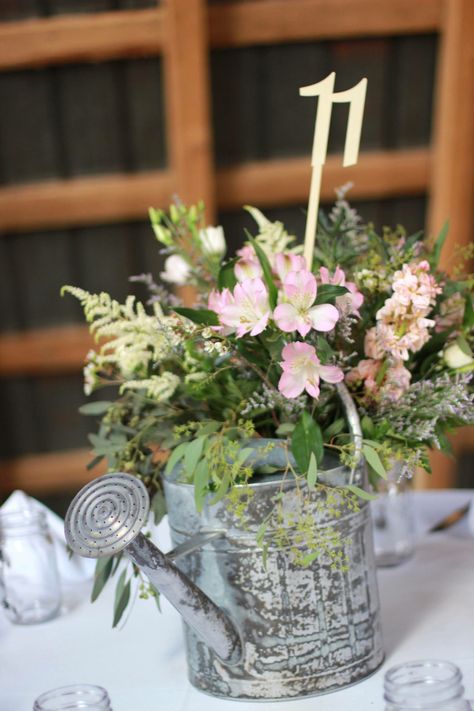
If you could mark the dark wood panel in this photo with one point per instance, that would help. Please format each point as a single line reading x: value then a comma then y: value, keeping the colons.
x: 28, y: 144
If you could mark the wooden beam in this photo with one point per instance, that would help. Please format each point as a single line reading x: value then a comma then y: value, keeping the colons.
x: 452, y: 184
x: 256, y: 22
x: 83, y: 201
x: 187, y: 94
x: 45, y: 351
x: 78, y: 38
x: 379, y: 174
x: 43, y: 473
x: 126, y: 33
x: 453, y: 142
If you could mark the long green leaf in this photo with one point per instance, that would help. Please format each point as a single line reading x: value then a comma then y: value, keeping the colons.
x: 227, y: 278
x: 176, y: 455
x: 103, y: 569
x: 201, y: 480
x: 158, y: 507
x: 192, y: 455
x: 468, y: 321
x: 361, y: 493
x: 329, y: 292
x: 267, y: 271
x: 306, y: 439
x: 435, y: 255
x: 373, y: 460
x: 312, y: 471
x: 203, y: 317
x: 122, y: 597
x: 95, y: 408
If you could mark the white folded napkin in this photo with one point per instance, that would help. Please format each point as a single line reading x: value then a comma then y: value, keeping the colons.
x: 72, y: 569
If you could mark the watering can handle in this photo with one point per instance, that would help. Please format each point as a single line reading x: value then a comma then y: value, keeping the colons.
x: 353, y: 420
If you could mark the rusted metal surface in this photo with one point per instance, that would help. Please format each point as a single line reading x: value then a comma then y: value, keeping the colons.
x: 305, y: 630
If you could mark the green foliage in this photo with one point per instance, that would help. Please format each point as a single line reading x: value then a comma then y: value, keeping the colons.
x: 267, y: 271
x: 122, y: 597
x: 307, y: 440
x: 203, y: 317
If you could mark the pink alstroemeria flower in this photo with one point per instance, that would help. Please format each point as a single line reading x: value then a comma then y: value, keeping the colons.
x: 286, y: 262
x: 297, y: 312
x: 248, y: 266
x: 216, y: 302
x: 249, y: 310
x: 347, y: 303
x: 302, y: 370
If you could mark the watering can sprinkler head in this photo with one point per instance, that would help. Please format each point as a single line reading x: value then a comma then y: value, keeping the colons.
x: 105, y: 518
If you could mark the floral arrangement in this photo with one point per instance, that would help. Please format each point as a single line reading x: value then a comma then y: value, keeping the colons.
x: 260, y: 352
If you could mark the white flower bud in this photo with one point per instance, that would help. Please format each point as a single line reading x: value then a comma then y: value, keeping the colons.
x: 177, y: 270
x: 213, y: 241
x: 455, y: 357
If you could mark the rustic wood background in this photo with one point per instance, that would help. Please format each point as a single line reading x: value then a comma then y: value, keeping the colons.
x: 109, y: 106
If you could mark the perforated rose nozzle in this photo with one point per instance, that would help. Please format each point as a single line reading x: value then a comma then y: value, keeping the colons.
x: 105, y: 518
x: 106, y: 515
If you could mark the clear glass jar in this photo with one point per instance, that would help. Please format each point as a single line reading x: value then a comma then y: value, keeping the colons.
x: 393, y: 519
x: 29, y: 580
x: 428, y: 685
x: 79, y: 696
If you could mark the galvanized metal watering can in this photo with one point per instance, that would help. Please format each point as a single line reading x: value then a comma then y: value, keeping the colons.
x: 253, y: 631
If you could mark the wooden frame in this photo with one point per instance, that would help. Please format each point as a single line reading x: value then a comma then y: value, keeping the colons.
x: 155, y: 31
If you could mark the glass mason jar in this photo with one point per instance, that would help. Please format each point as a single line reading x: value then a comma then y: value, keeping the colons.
x: 78, y: 696
x: 393, y: 519
x: 29, y: 580
x: 428, y: 685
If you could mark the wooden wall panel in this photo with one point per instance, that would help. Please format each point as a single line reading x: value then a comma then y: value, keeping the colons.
x: 103, y: 129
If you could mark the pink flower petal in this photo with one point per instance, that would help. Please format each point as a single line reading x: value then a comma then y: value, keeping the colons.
x: 286, y: 317
x: 312, y: 388
x: 331, y: 373
x: 260, y: 325
x: 291, y: 386
x: 323, y: 317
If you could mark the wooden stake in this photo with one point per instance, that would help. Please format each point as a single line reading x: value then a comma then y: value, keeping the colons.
x: 327, y: 97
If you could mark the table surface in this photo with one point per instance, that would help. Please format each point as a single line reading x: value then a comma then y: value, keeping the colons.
x: 427, y: 612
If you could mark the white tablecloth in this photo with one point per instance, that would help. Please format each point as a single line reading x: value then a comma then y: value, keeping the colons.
x: 427, y: 612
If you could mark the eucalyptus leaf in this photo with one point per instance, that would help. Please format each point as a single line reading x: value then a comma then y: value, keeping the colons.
x: 312, y: 472
x: 176, y: 455
x: 285, y: 428
x: 201, y: 480
x: 373, y: 460
x: 158, y: 507
x: 334, y: 428
x: 95, y: 408
x: 192, y: 455
x: 103, y: 570
x: 361, y: 493
x: 122, y: 597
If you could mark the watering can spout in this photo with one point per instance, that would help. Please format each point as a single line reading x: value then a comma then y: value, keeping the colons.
x: 105, y: 518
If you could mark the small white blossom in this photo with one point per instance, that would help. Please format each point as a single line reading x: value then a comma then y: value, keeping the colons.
x: 455, y: 357
x: 213, y: 241
x: 158, y: 387
x: 177, y: 270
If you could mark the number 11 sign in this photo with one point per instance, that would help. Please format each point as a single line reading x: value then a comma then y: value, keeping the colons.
x: 355, y: 97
